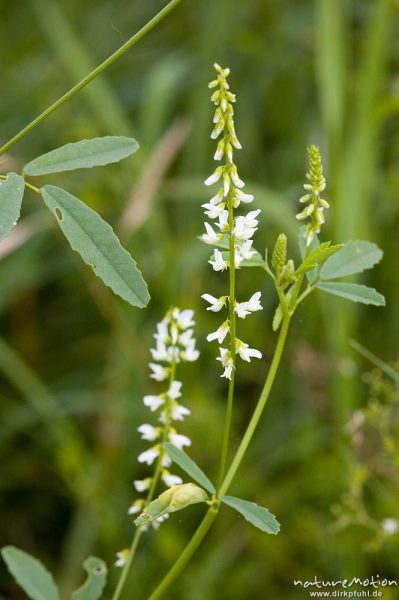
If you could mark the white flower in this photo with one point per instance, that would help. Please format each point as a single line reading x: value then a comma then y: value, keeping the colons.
x: 136, y: 507
x: 216, y: 303
x: 220, y: 150
x: 166, y: 461
x: 178, y: 412
x: 171, y: 480
x: 227, y: 362
x: 142, y: 485
x: 216, y: 175
x: 161, y: 352
x: 218, y: 263
x: 235, y: 178
x: 213, y: 210
x: 245, y: 250
x: 242, y: 197
x: 159, y: 373
x: 223, y: 221
x: 220, y: 333
x: 190, y: 353
x: 211, y: 237
x: 226, y: 183
x: 246, y: 352
x: 243, y: 230
x: 174, y: 390
x: 186, y: 338
x: 390, y: 526
x: 242, y: 309
x: 148, y: 456
x: 179, y: 440
x: 148, y: 432
x: 185, y: 318
x: 162, y: 331
x: 153, y: 402
x: 121, y: 558
x: 238, y: 257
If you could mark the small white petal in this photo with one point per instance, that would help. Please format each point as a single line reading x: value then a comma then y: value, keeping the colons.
x: 153, y: 402
x: 179, y: 440
x: 142, y: 485
x: 216, y: 303
x: 178, y: 412
x: 220, y: 333
x: 218, y: 263
x: 148, y: 456
x: 171, y: 480
x: 216, y: 175
x: 174, y: 390
x: 159, y: 373
x: 148, y: 432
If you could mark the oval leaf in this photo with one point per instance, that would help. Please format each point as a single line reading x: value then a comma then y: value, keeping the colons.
x: 30, y: 574
x: 96, y: 578
x: 82, y: 155
x: 353, y: 291
x: 354, y: 257
x: 97, y: 244
x: 257, y: 515
x: 189, y: 466
x: 11, y: 194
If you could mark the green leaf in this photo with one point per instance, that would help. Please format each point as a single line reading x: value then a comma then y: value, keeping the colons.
x: 30, y: 574
x: 354, y: 257
x: 317, y: 256
x: 257, y: 515
x: 97, y: 244
x: 96, y: 578
x: 82, y: 155
x: 189, y: 466
x: 11, y: 194
x: 353, y: 291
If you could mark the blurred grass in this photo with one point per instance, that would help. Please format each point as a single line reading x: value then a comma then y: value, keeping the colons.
x: 74, y: 359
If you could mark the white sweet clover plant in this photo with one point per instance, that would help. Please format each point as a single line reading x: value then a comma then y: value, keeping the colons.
x: 321, y: 266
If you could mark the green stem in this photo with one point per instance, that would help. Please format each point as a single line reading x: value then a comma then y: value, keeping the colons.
x: 185, y: 556
x: 151, y: 492
x: 210, y: 516
x: 93, y: 74
x: 28, y: 185
x: 232, y: 323
x: 239, y: 455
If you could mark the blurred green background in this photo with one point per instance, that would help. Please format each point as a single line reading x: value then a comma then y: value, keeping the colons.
x: 74, y: 359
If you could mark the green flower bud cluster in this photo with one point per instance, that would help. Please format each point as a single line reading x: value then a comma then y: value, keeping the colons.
x: 316, y: 204
x: 284, y: 269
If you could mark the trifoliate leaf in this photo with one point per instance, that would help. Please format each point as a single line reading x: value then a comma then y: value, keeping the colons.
x: 11, y: 194
x: 30, y: 574
x: 354, y: 257
x: 189, y: 466
x: 82, y: 155
x: 257, y: 515
x: 353, y: 292
x: 97, y: 244
x: 96, y: 578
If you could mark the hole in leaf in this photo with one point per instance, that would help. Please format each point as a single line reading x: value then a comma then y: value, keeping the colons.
x: 58, y: 213
x: 99, y: 570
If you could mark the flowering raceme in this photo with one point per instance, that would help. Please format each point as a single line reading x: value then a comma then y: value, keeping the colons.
x: 174, y: 344
x: 230, y: 233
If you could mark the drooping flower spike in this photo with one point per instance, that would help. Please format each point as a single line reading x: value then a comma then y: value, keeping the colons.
x: 228, y: 230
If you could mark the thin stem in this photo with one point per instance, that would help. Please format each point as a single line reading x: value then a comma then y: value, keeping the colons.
x: 232, y: 323
x: 151, y: 492
x: 93, y: 74
x: 28, y: 185
x: 259, y: 408
x: 185, y: 556
x: 210, y: 516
